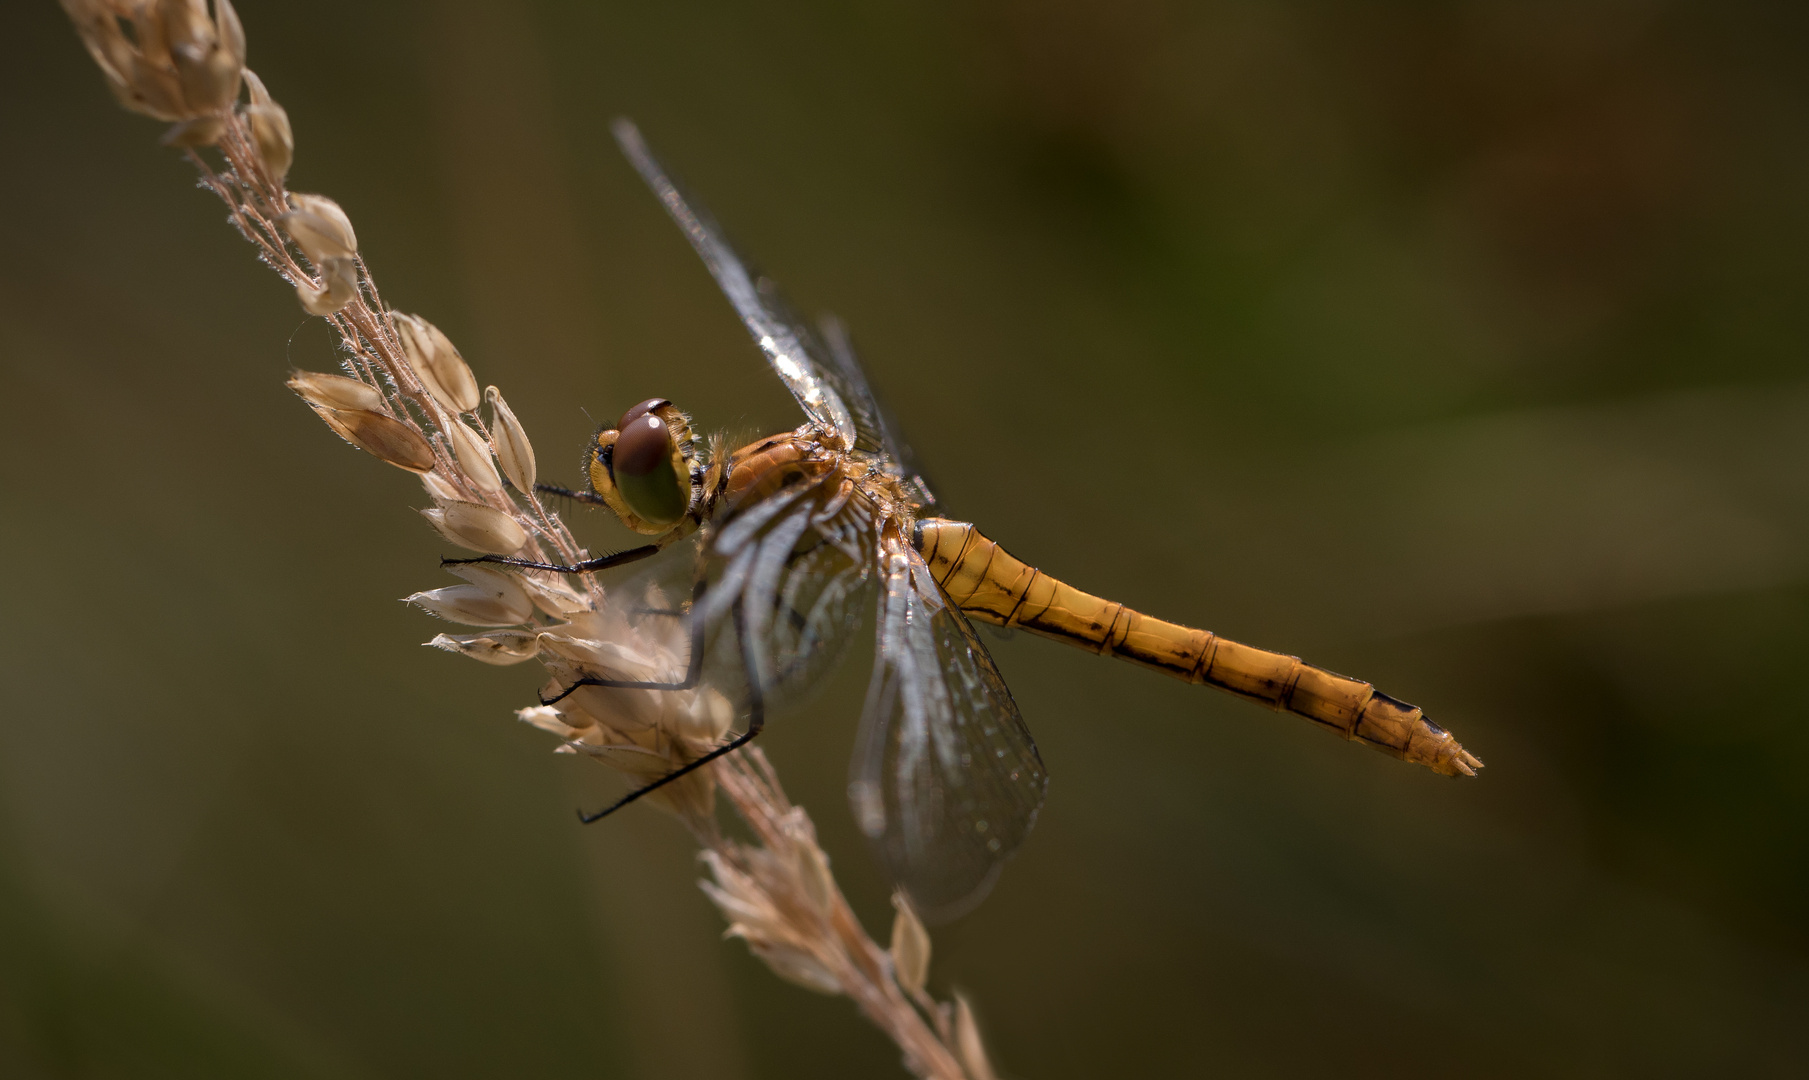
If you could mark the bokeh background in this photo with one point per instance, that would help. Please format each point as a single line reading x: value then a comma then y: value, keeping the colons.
x: 1456, y: 346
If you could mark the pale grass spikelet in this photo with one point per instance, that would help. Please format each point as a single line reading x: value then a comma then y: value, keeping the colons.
x: 478, y: 527
x: 335, y: 391
x: 320, y: 228
x: 440, y: 489
x: 436, y: 362
x: 968, y: 1042
x: 271, y: 135
x: 274, y: 139
x: 385, y: 437
x: 490, y: 597
x: 473, y: 457
x: 816, y: 883
x: 338, y: 287
x: 553, y: 596
x: 501, y: 648
x: 754, y: 911
x: 910, y: 946
x: 255, y: 90
x: 176, y: 63
x: 513, y: 450
x: 471, y: 605
x: 171, y: 60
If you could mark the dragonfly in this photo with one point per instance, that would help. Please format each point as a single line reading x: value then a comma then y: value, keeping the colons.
x: 802, y: 530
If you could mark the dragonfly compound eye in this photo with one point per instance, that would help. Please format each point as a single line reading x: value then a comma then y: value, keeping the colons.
x: 640, y: 410
x: 644, y: 472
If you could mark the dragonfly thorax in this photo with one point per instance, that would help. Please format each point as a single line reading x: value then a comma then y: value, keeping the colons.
x: 764, y: 467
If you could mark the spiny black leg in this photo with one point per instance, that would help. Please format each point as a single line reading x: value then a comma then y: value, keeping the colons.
x: 693, y: 671
x: 601, y: 563
x: 756, y: 720
x: 590, y: 497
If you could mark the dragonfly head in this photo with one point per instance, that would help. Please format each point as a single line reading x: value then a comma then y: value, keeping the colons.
x: 645, y: 467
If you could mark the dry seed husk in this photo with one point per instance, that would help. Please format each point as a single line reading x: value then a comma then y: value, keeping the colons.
x: 910, y: 946
x: 439, y: 487
x: 499, y: 647
x: 231, y: 31
x: 335, y: 391
x: 513, y: 450
x: 201, y: 131
x: 547, y: 718
x: 318, y: 237
x: 500, y: 582
x: 207, y: 61
x: 707, y: 719
x: 338, y: 287
x: 319, y: 227
x: 331, y: 212
x: 436, y: 361
x: 254, y: 88
x: 553, y: 596
x: 478, y: 527
x: 473, y: 605
x: 474, y: 457
x: 968, y: 1044
x: 274, y: 138
x: 381, y: 436
x: 813, y: 874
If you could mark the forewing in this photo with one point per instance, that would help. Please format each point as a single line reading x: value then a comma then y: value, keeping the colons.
x: 946, y: 779
x: 869, y: 414
x: 788, y: 344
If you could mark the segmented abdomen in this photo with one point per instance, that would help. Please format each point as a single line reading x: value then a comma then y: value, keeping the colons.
x: 990, y: 584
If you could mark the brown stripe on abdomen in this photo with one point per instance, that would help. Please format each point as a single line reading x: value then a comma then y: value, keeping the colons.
x: 992, y: 585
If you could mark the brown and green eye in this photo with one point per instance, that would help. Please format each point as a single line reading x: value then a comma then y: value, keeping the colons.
x: 642, y: 463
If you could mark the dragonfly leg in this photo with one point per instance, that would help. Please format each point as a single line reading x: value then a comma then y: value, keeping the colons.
x: 693, y: 670
x: 590, y: 497
x: 602, y: 562
x: 756, y: 721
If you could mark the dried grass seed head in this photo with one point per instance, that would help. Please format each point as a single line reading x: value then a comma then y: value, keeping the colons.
x: 176, y: 63
x: 320, y: 227
x: 553, y: 596
x: 473, y: 457
x: 513, y: 450
x: 338, y: 287
x: 500, y: 647
x: 255, y: 91
x: 750, y: 907
x: 968, y: 1045
x: 478, y: 527
x: 381, y: 436
x: 490, y: 597
x: 910, y: 945
x: 335, y: 391
x: 436, y: 362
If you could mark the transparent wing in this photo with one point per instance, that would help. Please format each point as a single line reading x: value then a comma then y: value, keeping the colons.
x: 946, y: 779
x: 852, y: 378
x: 802, y: 566
x: 789, y: 346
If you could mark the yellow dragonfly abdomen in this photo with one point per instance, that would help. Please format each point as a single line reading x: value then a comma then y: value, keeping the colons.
x: 988, y: 583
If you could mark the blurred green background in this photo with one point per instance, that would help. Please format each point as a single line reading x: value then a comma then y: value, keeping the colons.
x: 1459, y: 347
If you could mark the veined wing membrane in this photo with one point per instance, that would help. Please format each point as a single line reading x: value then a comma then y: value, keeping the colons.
x: 801, y: 565
x: 788, y: 344
x: 947, y: 781
x: 870, y: 416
